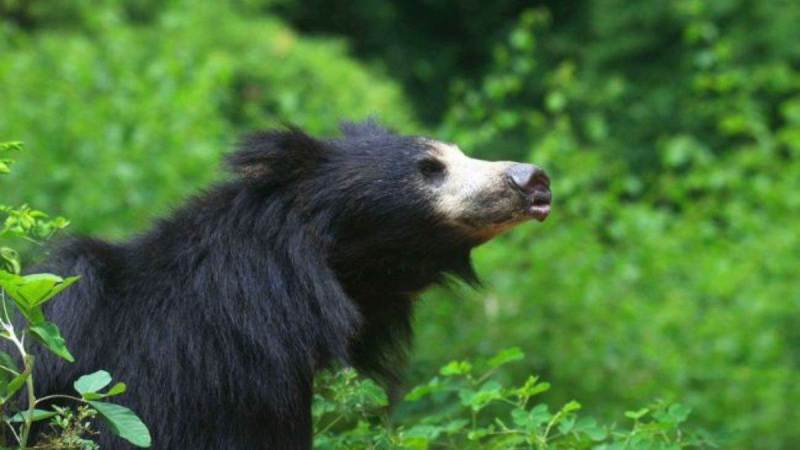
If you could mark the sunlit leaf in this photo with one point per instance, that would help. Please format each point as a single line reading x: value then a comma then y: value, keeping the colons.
x: 93, y: 382
x: 456, y: 368
x: 506, y: 356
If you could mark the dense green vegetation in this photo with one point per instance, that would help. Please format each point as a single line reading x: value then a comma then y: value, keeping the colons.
x: 466, y: 407
x: 22, y: 323
x: 671, y: 129
x: 135, y: 116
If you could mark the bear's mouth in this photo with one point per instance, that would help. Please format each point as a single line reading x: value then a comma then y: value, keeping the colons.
x: 539, y: 203
x: 536, y: 198
x: 534, y: 204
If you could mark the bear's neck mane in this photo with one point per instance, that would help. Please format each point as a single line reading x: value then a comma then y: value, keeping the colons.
x: 383, y: 268
x: 384, y: 283
x: 356, y: 292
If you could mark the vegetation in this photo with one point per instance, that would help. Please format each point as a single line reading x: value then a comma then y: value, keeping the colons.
x: 475, y: 411
x: 671, y: 130
x: 22, y: 319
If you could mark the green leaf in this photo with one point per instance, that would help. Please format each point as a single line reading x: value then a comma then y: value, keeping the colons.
x: 636, y: 415
x: 117, y: 389
x: 8, y: 361
x: 531, y: 420
x: 424, y: 390
x: 93, y: 382
x: 532, y: 387
x: 428, y: 432
x: 566, y: 425
x: 590, y: 427
x: 16, y: 384
x: 369, y: 394
x: 124, y: 423
x: 13, y: 386
x: 88, y: 385
x: 30, y: 291
x: 679, y: 413
x: 456, y: 368
x: 48, y: 334
x: 477, y: 400
x: 571, y: 407
x: 506, y: 356
x: 38, y: 414
x: 6, y: 374
x: 5, y: 377
x: 11, y: 258
x: 53, y: 290
x: 33, y: 315
x: 455, y: 426
x: 92, y: 396
x: 10, y: 145
x: 479, y: 433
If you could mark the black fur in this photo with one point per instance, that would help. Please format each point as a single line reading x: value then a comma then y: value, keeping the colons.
x: 219, y: 317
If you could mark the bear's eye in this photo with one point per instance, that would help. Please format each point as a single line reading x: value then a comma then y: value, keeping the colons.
x: 431, y: 167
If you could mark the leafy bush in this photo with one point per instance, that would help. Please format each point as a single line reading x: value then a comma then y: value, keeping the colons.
x: 110, y: 98
x: 22, y: 318
x: 475, y: 411
x: 668, y: 267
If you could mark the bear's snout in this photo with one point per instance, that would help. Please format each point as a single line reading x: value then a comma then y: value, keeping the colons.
x: 528, y: 178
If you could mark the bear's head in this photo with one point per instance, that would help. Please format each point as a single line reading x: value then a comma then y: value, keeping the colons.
x: 401, y: 209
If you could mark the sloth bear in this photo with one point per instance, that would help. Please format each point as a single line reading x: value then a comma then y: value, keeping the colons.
x: 312, y: 253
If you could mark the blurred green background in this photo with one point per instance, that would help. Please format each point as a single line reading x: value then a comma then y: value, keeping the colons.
x: 671, y: 129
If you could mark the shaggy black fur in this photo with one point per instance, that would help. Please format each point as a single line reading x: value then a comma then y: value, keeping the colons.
x: 219, y: 317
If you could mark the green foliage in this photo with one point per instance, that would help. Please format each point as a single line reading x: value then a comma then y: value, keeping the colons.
x: 476, y: 411
x: 71, y: 430
x: 427, y: 45
x: 668, y: 267
x: 22, y: 221
x: 170, y: 95
x: 26, y: 295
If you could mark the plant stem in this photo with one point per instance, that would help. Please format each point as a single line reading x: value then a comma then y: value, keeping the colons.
x: 330, y: 424
x: 28, y: 362
x: 549, y: 427
x: 26, y: 428
x: 51, y: 397
x: 8, y: 369
x: 13, y: 431
x: 6, y: 319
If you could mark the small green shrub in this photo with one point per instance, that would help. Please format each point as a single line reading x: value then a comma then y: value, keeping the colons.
x: 474, y: 410
x: 22, y: 320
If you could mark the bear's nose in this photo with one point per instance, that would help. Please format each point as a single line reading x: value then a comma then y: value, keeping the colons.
x: 528, y: 178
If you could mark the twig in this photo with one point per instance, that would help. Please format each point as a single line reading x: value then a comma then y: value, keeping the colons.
x: 51, y: 397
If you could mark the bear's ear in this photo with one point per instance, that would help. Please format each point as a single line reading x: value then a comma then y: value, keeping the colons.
x: 276, y: 156
x: 365, y: 129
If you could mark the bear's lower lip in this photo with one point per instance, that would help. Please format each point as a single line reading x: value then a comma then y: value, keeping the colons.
x: 539, y: 212
x: 539, y: 203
